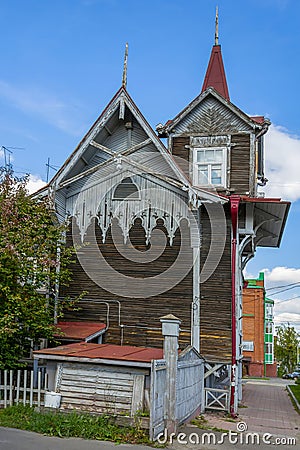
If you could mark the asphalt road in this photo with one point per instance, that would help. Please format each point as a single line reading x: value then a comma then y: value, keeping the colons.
x: 13, y: 439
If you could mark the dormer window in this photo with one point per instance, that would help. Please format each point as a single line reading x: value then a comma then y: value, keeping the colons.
x: 210, y: 166
x: 126, y: 190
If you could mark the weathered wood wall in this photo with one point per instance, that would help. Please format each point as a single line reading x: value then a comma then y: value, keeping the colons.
x: 240, y: 163
x: 181, y: 153
x: 215, y: 303
x: 100, y: 389
x: 139, y: 317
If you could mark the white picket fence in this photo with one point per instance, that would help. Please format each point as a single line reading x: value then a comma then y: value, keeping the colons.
x: 22, y: 386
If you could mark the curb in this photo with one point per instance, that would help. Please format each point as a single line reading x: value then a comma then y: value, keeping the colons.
x: 294, y: 398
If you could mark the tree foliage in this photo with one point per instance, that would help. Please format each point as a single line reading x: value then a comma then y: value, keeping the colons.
x: 29, y: 239
x: 286, y: 346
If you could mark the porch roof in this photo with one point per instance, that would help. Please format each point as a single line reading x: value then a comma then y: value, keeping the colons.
x: 79, y: 330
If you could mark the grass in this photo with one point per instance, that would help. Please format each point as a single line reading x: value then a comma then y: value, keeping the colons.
x: 247, y: 377
x: 70, y: 425
x: 295, y: 388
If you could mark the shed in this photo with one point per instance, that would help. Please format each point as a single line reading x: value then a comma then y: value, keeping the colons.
x: 100, y: 378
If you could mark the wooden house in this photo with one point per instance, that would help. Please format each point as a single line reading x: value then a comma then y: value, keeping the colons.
x: 169, y: 229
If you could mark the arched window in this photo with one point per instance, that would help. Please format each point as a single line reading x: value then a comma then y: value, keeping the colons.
x: 126, y: 189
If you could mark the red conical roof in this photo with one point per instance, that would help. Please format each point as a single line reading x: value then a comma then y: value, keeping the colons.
x: 215, y: 75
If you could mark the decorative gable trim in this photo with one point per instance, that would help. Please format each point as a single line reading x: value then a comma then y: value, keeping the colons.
x: 172, y: 126
x: 120, y: 100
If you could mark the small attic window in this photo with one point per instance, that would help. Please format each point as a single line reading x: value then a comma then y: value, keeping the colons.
x: 126, y: 190
x: 210, y: 166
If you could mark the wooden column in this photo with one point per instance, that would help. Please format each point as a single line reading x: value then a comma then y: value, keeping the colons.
x: 170, y: 331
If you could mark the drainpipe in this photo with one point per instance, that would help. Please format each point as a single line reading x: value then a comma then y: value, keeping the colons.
x: 234, y: 209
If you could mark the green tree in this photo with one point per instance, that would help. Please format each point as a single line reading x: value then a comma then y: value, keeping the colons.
x: 29, y: 263
x: 286, y: 346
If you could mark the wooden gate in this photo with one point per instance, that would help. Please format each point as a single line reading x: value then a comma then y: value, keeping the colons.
x: 157, y: 398
x: 216, y: 399
x: 189, y: 390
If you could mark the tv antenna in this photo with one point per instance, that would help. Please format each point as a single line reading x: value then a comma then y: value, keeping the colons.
x: 49, y: 166
x: 7, y: 152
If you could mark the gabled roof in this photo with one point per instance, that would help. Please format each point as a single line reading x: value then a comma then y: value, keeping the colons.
x: 215, y: 75
x: 120, y: 100
x: 118, y: 103
x: 251, y: 122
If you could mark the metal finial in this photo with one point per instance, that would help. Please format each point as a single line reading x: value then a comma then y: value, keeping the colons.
x: 124, y: 79
x: 217, y: 27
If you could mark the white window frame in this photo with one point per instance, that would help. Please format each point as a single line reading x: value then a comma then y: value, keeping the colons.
x: 271, y: 325
x: 196, y: 165
x: 248, y: 346
x: 269, y: 311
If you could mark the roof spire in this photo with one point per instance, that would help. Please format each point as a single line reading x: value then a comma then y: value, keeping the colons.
x: 124, y: 78
x: 217, y: 27
x: 215, y: 74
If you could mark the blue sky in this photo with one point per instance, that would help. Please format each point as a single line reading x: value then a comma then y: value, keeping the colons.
x: 61, y: 62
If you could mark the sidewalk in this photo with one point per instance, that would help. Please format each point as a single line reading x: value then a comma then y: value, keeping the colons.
x: 269, y: 408
x: 266, y: 408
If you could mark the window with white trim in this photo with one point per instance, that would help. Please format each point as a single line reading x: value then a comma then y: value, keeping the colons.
x: 269, y: 348
x: 269, y: 327
x: 210, y: 166
x: 269, y: 311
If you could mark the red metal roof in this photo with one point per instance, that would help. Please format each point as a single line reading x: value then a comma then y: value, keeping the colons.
x: 79, y: 330
x: 104, y: 351
x: 215, y: 75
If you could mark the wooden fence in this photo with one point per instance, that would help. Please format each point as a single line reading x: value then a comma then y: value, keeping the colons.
x: 22, y: 386
x: 189, y: 390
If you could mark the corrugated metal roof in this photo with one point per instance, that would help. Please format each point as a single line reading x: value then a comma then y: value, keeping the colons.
x: 79, y: 330
x: 258, y: 119
x: 104, y: 351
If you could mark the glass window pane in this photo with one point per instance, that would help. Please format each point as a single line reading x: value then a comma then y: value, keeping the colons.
x: 216, y: 175
x: 201, y: 156
x: 218, y: 155
x: 203, y: 175
x: 209, y: 155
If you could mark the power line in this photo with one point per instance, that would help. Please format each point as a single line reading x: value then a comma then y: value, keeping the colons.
x: 283, y: 285
x: 284, y: 290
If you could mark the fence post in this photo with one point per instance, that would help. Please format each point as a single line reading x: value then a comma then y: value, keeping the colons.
x: 170, y: 331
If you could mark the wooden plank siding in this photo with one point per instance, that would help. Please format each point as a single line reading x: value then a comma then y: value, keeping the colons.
x: 240, y: 163
x: 182, y: 154
x: 139, y: 316
x: 215, y: 303
x: 102, y: 390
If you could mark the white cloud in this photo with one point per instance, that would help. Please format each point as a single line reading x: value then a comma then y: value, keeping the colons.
x: 287, y: 304
x: 32, y: 100
x: 35, y: 183
x: 282, y: 152
x: 281, y: 275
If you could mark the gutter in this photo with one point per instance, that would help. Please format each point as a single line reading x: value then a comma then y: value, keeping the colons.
x: 111, y: 362
x: 234, y: 209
